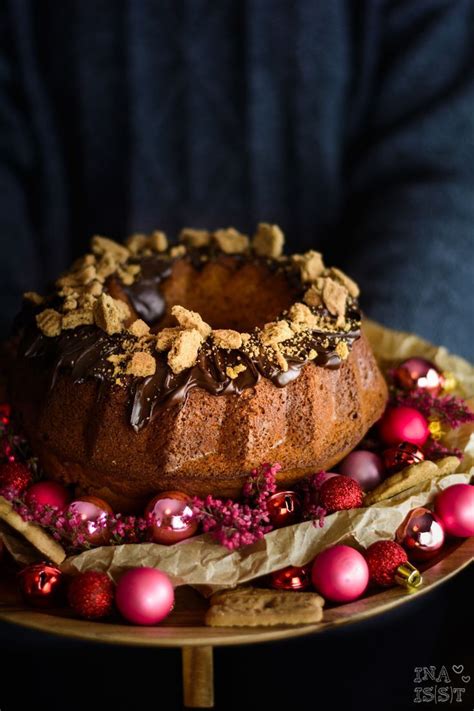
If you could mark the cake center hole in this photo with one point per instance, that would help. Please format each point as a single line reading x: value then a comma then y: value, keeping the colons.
x: 228, y: 293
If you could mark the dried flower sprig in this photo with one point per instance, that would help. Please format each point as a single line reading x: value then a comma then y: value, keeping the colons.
x: 449, y: 409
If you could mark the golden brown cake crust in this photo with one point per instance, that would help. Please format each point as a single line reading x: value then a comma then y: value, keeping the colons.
x: 158, y: 388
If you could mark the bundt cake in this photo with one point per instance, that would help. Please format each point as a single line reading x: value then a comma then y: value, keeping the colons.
x: 153, y: 367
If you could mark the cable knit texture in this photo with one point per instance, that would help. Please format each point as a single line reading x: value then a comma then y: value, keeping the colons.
x: 349, y: 123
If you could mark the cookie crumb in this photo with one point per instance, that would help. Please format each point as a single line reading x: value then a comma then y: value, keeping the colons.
x: 268, y: 241
x: 195, y: 238
x: 104, y: 245
x: 110, y: 313
x: 311, y: 265
x: 141, y: 364
x: 166, y: 337
x: 233, y: 371
x: 227, y: 338
x: 346, y: 281
x: 49, y: 322
x: 313, y: 297
x: 35, y: 298
x: 184, y: 351
x: 342, y: 350
x: 190, y: 319
x: 276, y: 332
x: 231, y: 241
x: 158, y: 241
x: 136, y: 242
x: 335, y: 298
x: 79, y: 317
x: 139, y: 328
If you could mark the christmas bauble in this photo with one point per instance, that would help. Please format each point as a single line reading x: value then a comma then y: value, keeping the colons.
x: 340, y: 573
x: 284, y: 508
x: 455, y: 508
x: 5, y: 413
x: 421, y: 534
x: 403, y: 424
x: 15, y: 476
x: 94, y: 513
x: 144, y: 596
x: 291, y: 578
x: 91, y: 595
x: 420, y: 373
x: 173, y: 517
x: 388, y: 564
x: 41, y: 585
x: 363, y: 466
x: 402, y: 455
x: 340, y: 492
x: 48, y: 493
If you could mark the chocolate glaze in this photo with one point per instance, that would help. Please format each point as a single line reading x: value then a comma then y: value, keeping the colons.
x: 83, y: 352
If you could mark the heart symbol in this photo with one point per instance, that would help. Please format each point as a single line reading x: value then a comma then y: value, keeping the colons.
x: 458, y: 668
x: 466, y: 679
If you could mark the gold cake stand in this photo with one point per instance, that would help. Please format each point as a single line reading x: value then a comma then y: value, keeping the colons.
x: 185, y: 627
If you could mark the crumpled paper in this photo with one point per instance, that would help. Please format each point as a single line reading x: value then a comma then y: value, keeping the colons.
x: 204, y: 564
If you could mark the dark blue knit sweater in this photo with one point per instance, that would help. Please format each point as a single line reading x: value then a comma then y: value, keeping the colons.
x: 351, y: 124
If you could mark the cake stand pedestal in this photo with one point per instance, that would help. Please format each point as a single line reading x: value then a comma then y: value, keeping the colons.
x: 185, y: 628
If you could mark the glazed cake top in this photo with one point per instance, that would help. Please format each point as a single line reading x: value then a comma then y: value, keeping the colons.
x: 108, y: 317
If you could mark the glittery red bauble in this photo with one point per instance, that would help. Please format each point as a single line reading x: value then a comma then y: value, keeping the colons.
x: 5, y: 413
x: 173, y: 517
x: 403, y: 424
x: 383, y: 559
x: 340, y: 492
x: 15, y: 475
x: 421, y: 534
x: 403, y: 455
x: 284, y: 508
x: 91, y: 595
x: 419, y: 373
x: 291, y: 578
x: 41, y: 585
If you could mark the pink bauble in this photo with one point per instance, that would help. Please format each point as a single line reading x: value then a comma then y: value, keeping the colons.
x: 144, y: 596
x: 455, y: 508
x: 403, y: 424
x: 48, y: 493
x: 340, y: 573
x: 94, y: 513
x: 365, y: 467
x: 173, y: 517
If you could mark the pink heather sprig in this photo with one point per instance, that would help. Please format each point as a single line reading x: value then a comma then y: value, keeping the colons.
x: 434, y: 449
x: 260, y: 485
x: 308, y: 490
x: 451, y: 410
x: 230, y: 523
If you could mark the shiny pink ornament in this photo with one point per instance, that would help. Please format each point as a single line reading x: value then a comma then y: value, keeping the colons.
x: 95, y: 513
x: 173, y: 515
x: 340, y: 573
x: 455, y: 508
x: 421, y: 534
x: 284, y: 508
x: 419, y: 373
x: 144, y: 596
x: 291, y: 578
x: 48, y: 493
x: 403, y: 424
x: 365, y: 467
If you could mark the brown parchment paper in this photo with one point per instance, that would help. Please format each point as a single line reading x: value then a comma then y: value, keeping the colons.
x: 204, y: 564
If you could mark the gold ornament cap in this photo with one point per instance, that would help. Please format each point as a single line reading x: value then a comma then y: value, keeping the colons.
x: 408, y: 576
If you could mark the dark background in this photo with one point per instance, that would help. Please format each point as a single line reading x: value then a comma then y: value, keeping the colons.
x: 362, y: 667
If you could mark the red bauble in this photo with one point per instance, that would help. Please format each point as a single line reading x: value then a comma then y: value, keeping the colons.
x: 41, y: 585
x: 173, y: 518
x: 91, y: 595
x: 340, y: 492
x: 284, y: 508
x: 419, y: 373
x: 388, y: 565
x: 48, y: 493
x: 291, y: 578
x: 421, y: 534
x: 403, y: 424
x: 5, y: 413
x: 15, y: 476
x: 403, y: 455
